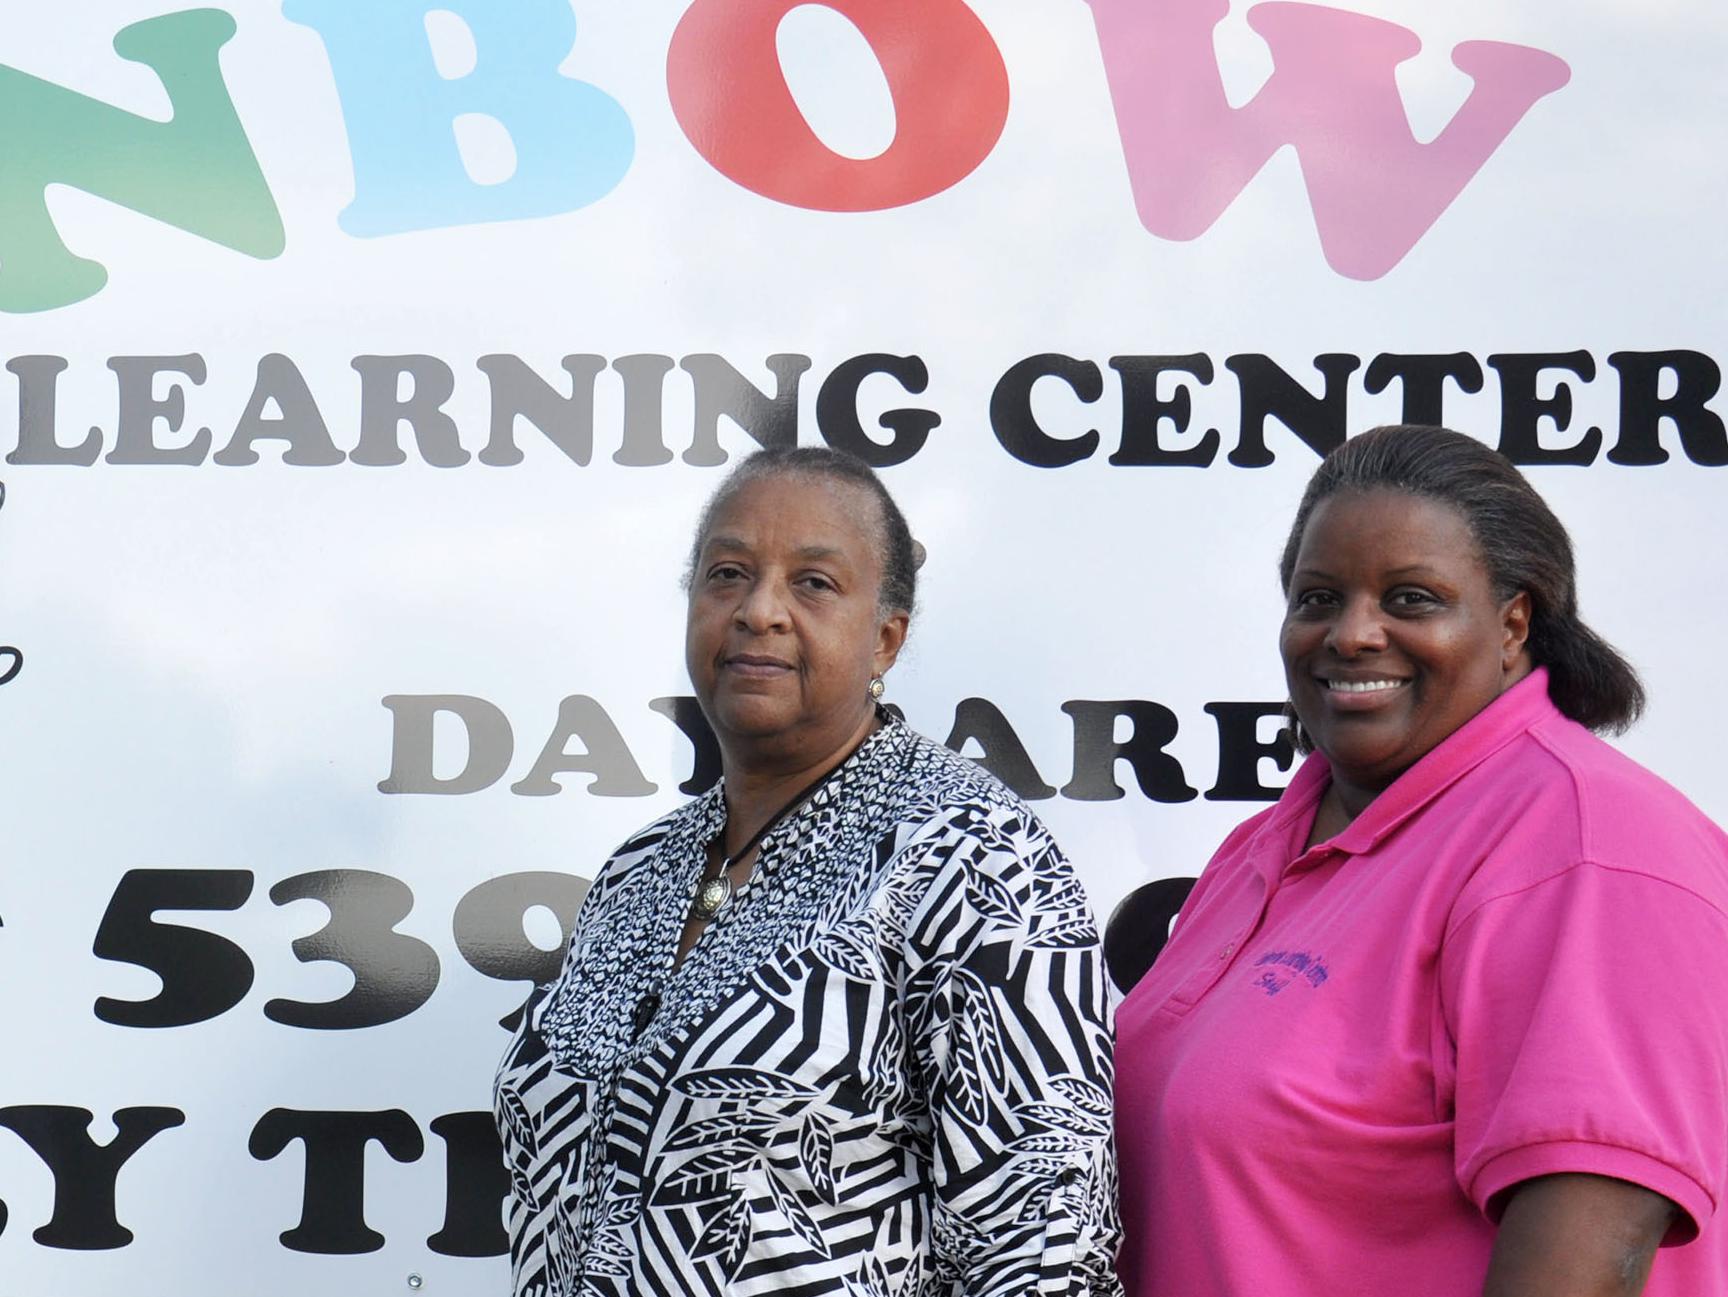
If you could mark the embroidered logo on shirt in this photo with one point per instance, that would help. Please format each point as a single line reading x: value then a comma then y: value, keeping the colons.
x: 1277, y: 969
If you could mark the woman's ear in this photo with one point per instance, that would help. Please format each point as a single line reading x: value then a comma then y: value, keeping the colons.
x: 890, y: 636
x: 1515, y: 623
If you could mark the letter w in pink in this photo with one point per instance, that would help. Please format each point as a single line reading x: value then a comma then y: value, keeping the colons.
x: 1332, y: 94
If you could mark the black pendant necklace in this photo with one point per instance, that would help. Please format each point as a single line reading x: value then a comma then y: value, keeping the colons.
x: 713, y: 893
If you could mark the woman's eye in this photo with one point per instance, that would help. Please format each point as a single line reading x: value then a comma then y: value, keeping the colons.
x: 1409, y: 599
x: 1312, y: 599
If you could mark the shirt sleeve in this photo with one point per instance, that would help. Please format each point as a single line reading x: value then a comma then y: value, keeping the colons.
x: 1589, y: 1015
x: 1012, y: 1039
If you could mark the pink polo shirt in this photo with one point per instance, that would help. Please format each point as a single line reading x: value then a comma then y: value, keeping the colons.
x: 1514, y: 962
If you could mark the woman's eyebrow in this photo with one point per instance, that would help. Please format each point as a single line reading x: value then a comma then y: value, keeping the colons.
x: 804, y: 553
x: 1406, y: 570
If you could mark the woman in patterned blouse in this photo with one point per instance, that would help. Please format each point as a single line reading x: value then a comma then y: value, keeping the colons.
x: 838, y: 1026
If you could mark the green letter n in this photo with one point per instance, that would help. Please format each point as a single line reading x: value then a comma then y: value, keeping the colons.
x: 195, y: 171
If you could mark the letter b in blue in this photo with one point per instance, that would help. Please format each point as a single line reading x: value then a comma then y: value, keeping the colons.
x: 573, y: 141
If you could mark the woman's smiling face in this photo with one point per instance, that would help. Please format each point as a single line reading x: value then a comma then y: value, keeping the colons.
x: 1393, y: 635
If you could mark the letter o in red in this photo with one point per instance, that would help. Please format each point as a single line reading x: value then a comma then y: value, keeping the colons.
x: 730, y: 96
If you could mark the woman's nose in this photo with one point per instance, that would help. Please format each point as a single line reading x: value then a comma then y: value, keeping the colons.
x: 763, y: 607
x: 1360, y: 627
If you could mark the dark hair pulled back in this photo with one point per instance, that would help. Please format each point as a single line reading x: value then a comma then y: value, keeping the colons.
x: 1522, y: 544
x: 898, y: 553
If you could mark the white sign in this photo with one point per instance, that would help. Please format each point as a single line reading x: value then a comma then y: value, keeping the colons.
x: 372, y: 362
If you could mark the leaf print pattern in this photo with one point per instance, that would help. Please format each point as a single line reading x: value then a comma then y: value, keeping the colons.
x: 1062, y: 900
x: 844, y: 950
x: 608, y: 1254
x: 816, y: 1156
x: 1076, y: 1121
x: 871, y: 1280
x: 743, y: 1085
x: 1035, y: 1212
x: 796, y: 1215
x: 732, y: 1127
x: 523, y: 1187
x: 1072, y: 934
x: 977, y: 1009
x: 1049, y: 1142
x: 967, y: 1084
x: 704, y: 1177
x: 1084, y: 1095
x: 899, y: 908
x: 886, y: 1066
x: 991, y: 897
x: 727, y: 1237
x: 518, y: 1125
x: 874, y: 1036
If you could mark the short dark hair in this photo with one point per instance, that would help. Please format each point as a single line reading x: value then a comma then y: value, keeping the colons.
x: 899, y: 588
x: 1522, y: 544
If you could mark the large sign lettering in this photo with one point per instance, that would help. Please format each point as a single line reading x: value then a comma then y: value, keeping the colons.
x: 1374, y: 188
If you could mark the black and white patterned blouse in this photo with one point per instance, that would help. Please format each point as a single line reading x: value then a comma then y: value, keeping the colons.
x: 882, y: 1071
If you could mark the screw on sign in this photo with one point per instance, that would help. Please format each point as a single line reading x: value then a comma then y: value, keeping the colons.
x: 16, y: 664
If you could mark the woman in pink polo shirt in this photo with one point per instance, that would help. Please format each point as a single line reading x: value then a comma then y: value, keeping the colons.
x: 1451, y: 1018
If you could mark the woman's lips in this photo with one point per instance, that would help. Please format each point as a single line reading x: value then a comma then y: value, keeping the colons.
x: 755, y: 666
x: 1360, y: 695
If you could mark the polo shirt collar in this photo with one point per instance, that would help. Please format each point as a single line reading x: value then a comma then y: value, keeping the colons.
x: 1523, y: 706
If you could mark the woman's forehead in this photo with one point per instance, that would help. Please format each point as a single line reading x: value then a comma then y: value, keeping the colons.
x: 1380, y: 510
x: 802, y: 512
x: 1392, y: 527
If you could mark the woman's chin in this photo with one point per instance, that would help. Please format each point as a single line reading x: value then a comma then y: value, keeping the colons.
x: 1364, y: 758
x: 752, y: 717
